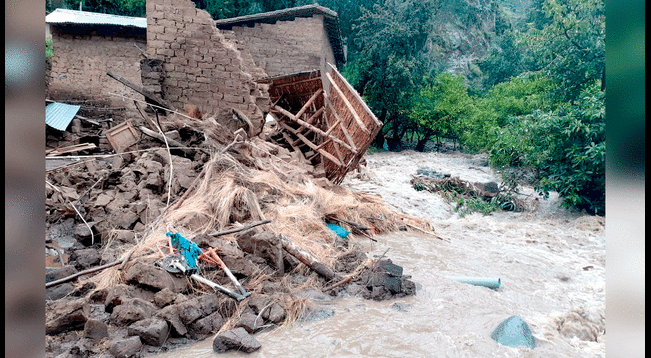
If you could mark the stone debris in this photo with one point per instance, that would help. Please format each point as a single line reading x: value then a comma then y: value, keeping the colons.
x: 235, y: 339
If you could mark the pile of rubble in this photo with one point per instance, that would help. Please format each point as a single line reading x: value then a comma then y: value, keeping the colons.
x: 260, y: 208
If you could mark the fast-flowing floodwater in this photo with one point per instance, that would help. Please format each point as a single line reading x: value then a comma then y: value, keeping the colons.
x: 551, y: 263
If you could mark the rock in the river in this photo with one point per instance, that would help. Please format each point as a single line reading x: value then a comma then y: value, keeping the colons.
x: 235, y: 339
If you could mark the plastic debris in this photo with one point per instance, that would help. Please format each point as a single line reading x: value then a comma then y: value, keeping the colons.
x: 340, y: 231
x: 188, y: 249
x: 514, y: 332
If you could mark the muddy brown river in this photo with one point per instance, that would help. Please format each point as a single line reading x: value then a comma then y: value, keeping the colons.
x: 551, y: 263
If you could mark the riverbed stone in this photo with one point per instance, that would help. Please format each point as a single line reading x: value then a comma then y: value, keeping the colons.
x: 189, y: 311
x: 164, y: 297
x: 56, y: 273
x: 121, y: 292
x: 125, y: 347
x: 235, y: 339
x: 153, y: 331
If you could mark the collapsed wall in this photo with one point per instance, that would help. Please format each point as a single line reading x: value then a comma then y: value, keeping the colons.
x: 288, y: 46
x: 201, y: 67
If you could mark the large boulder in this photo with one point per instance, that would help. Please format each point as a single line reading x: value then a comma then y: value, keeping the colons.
x: 62, y: 316
x: 125, y: 347
x: 171, y: 315
x: 86, y: 258
x: 235, y: 339
x: 121, y: 293
x: 251, y: 322
x: 153, y: 331
x: 263, y: 244
x: 95, y: 330
x: 207, y: 325
x: 268, y: 309
x: 132, y: 310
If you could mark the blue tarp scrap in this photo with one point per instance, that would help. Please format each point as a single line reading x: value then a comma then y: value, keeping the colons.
x: 340, y: 231
x: 187, y: 248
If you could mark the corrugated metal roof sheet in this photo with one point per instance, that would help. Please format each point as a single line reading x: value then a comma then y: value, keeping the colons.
x: 65, y: 16
x: 59, y: 115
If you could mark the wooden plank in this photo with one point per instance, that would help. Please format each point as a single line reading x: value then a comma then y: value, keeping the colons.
x: 356, y: 95
x: 290, y: 141
x: 306, y: 258
x: 122, y: 136
x: 70, y: 149
x: 140, y: 90
x: 348, y: 137
x: 283, y: 111
x: 348, y: 104
x: 311, y: 127
x: 341, y: 124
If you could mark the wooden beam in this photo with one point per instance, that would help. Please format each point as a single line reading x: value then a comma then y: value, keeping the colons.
x: 312, y: 119
x: 311, y: 127
x: 140, y: 90
x: 306, y: 258
x: 70, y: 149
x: 308, y: 103
x: 311, y: 145
x: 348, y: 104
x: 290, y: 141
x: 283, y: 111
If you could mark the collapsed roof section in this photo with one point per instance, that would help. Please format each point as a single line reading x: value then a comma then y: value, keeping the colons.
x: 334, y: 127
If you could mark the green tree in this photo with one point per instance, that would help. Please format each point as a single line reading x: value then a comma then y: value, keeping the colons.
x: 391, y: 38
x: 504, y: 106
x: 439, y: 107
x: 571, y: 147
x: 568, y: 44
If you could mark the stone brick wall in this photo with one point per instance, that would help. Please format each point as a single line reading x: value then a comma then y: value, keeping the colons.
x: 202, y: 68
x: 80, y: 60
x: 288, y: 46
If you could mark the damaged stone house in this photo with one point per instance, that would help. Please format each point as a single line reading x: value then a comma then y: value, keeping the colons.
x: 239, y: 71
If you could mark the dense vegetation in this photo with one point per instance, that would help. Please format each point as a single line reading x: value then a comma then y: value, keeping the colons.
x: 535, y: 99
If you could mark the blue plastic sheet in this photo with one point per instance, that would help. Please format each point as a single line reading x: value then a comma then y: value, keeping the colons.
x: 340, y: 231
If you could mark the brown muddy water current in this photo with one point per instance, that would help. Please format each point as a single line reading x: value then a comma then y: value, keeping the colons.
x: 551, y: 263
